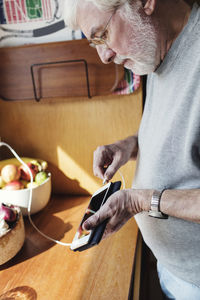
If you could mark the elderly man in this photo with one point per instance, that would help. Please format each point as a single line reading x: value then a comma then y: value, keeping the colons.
x: 160, y: 38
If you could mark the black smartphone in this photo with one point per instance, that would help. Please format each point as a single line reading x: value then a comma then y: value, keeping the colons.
x: 85, y: 239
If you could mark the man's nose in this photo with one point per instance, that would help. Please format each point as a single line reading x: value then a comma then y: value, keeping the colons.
x: 106, y: 54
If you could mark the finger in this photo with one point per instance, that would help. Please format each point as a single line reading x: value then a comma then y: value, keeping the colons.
x: 101, y: 215
x: 104, y: 213
x: 112, y: 168
x: 107, y: 232
x: 99, y: 171
x: 98, y: 163
x: 101, y: 159
x: 112, y: 226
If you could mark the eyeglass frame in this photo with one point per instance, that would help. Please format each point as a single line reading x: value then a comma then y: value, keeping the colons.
x: 100, y: 40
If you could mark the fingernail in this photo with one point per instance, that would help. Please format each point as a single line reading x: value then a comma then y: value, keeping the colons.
x: 86, y: 225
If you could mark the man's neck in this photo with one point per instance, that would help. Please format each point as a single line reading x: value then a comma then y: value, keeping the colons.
x: 172, y: 17
x: 191, y: 2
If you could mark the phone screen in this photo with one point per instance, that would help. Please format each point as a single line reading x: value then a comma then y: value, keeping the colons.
x: 82, y: 236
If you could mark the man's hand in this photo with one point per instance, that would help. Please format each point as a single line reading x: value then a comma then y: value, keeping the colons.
x: 108, y: 159
x: 119, y: 208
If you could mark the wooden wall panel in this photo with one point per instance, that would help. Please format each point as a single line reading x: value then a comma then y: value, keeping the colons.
x: 55, y: 80
x: 66, y: 133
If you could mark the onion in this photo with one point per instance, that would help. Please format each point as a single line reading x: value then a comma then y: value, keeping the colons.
x: 8, y: 213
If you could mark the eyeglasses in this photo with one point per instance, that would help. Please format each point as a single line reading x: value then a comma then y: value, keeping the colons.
x: 102, y: 39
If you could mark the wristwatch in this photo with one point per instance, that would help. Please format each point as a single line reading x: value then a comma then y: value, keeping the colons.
x: 155, y: 206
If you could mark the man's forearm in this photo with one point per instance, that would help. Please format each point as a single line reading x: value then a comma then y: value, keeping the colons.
x: 130, y: 144
x: 183, y: 204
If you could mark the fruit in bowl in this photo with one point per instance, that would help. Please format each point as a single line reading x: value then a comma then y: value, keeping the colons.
x: 12, y: 233
x: 10, y: 173
x: 15, y: 184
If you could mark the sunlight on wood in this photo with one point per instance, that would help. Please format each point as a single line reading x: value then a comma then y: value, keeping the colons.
x: 72, y: 170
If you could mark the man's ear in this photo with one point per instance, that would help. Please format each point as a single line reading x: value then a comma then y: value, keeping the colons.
x: 149, y: 7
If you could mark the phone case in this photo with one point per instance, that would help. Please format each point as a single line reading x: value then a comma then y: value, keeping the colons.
x: 98, y: 231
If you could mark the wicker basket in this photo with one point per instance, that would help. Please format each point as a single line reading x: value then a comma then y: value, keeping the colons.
x: 12, y: 241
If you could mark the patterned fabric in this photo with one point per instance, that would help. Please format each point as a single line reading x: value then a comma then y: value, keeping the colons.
x: 25, y: 22
x: 128, y: 84
x: 23, y: 11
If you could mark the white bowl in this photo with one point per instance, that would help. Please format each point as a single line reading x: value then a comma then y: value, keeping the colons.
x: 40, y: 194
x: 12, y: 241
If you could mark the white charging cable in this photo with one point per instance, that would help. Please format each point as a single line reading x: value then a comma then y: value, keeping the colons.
x: 122, y: 177
x: 123, y: 181
x: 31, y: 194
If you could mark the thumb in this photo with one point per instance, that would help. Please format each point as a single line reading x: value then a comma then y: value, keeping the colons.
x: 96, y: 219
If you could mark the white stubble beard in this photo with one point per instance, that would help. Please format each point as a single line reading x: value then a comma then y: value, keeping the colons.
x: 143, y: 45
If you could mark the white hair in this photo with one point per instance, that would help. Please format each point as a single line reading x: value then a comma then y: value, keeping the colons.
x: 140, y: 54
x: 70, y: 9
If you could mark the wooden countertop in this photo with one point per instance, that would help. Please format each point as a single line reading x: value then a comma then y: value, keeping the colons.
x: 43, y: 270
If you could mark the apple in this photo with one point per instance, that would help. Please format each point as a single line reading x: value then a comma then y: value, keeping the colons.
x: 40, y: 177
x: 24, y: 171
x: 13, y: 185
x: 9, y: 173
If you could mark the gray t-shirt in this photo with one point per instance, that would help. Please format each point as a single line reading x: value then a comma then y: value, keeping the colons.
x: 169, y: 150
